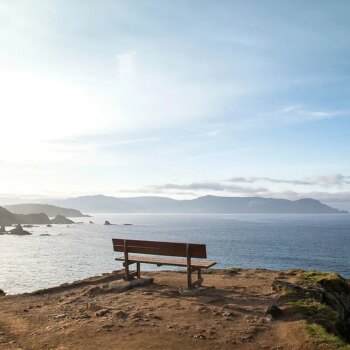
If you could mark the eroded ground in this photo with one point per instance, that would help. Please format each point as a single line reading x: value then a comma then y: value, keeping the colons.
x: 229, y: 312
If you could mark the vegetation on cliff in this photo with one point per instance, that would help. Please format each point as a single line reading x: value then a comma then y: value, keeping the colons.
x: 320, y: 301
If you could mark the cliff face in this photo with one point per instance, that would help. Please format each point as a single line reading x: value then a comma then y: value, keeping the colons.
x: 320, y: 298
x: 7, y: 218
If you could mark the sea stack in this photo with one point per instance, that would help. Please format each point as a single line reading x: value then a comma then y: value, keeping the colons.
x: 60, y: 219
x: 19, y: 231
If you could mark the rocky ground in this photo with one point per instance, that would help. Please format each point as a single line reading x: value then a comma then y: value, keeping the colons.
x: 236, y: 309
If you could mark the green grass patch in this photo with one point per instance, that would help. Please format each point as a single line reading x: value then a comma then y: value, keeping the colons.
x: 321, y: 322
x: 321, y: 337
x: 313, y: 277
x: 331, y: 282
x: 313, y: 311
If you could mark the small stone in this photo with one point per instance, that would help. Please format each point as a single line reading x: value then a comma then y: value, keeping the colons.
x: 201, y: 308
x: 200, y: 336
x: 108, y: 326
x: 102, y: 312
x: 56, y: 317
x: 121, y: 314
x: 227, y: 314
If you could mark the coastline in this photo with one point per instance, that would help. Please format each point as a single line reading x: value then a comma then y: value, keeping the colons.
x: 247, y: 309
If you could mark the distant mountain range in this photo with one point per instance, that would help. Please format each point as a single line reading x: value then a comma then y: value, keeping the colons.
x: 201, y: 205
x: 49, y: 210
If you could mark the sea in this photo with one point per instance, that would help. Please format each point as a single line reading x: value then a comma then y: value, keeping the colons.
x: 64, y: 253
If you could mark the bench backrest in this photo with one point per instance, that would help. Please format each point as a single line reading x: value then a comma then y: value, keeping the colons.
x: 161, y: 248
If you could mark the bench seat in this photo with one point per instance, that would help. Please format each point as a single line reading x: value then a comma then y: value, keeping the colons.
x: 205, y: 264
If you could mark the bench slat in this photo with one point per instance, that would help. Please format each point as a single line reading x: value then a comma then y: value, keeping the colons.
x: 167, y: 261
x: 161, y: 248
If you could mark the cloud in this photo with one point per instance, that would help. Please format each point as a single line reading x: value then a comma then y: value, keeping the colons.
x: 211, y: 186
x: 325, y: 180
x: 199, y: 188
x: 285, y: 116
x: 300, y: 114
x: 247, y: 187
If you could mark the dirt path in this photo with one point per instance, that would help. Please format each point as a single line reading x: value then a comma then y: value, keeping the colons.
x: 162, y: 315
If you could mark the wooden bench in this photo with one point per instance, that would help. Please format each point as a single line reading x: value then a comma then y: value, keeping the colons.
x: 184, y: 250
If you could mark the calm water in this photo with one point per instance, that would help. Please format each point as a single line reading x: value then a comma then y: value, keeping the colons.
x: 319, y: 242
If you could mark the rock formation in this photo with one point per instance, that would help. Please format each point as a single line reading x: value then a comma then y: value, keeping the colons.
x: 19, y: 231
x: 60, y: 219
x: 7, y: 218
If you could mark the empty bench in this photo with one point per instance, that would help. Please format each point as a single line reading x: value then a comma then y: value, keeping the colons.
x: 169, y: 249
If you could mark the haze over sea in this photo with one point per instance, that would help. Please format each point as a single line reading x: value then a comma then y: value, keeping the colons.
x: 250, y: 241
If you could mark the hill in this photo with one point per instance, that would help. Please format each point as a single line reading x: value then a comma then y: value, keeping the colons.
x: 201, y: 205
x: 49, y: 210
x: 7, y: 218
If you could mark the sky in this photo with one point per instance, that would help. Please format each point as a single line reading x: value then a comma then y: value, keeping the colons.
x: 175, y: 98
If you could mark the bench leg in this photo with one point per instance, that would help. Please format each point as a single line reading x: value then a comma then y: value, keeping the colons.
x: 138, y: 269
x: 126, y: 277
x: 189, y: 278
x: 199, y: 281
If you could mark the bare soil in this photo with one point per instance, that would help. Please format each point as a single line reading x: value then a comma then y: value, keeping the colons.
x: 228, y: 312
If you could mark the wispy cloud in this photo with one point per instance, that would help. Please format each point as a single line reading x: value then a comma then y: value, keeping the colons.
x: 299, y: 114
x: 284, y: 116
x: 211, y: 186
x: 325, y: 180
